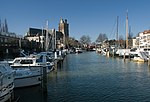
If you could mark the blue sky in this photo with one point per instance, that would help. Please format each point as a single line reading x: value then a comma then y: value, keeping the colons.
x: 85, y: 17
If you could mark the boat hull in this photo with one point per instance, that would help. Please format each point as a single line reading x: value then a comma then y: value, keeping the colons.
x: 5, y: 97
x: 138, y: 59
x: 27, y: 81
x: 6, y: 82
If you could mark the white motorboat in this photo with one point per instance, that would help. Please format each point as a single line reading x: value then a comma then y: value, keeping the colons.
x: 6, y: 82
x: 139, y: 55
x: 138, y: 59
x: 78, y: 50
x: 33, y: 63
x: 98, y: 50
x: 28, y: 70
x: 123, y: 52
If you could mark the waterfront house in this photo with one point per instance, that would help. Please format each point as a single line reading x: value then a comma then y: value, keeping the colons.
x: 143, y: 41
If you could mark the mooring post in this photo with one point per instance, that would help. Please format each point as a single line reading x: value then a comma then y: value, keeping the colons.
x: 107, y: 53
x: 55, y: 55
x: 55, y: 61
x: 12, y: 95
x: 130, y: 56
x: 149, y: 62
x: 113, y: 53
x: 60, y: 53
x: 44, y: 74
x: 124, y: 57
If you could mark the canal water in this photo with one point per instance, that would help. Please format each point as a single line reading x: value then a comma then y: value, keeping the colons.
x: 91, y: 77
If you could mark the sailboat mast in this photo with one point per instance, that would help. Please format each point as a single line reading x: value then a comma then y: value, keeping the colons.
x: 46, y: 45
x: 20, y: 42
x: 42, y: 40
x: 127, y: 31
x: 117, y: 38
x: 55, y: 39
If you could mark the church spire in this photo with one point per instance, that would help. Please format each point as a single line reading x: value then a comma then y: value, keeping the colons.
x: 6, y: 26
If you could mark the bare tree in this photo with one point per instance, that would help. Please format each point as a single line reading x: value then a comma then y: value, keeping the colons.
x: 121, y: 37
x: 102, y: 37
x: 85, y: 40
x: 121, y: 41
x: 130, y: 36
x: 73, y: 42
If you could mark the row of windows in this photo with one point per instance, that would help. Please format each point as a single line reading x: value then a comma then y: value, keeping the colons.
x: 5, y: 40
x: 9, y: 45
x: 144, y: 46
x: 145, y: 37
x: 24, y: 61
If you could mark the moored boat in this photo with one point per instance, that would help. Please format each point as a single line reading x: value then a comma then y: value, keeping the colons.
x: 78, y: 50
x: 28, y: 70
x: 139, y: 55
x: 123, y: 52
x: 7, y: 82
x: 138, y: 59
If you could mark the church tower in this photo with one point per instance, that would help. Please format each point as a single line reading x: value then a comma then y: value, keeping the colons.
x: 64, y: 29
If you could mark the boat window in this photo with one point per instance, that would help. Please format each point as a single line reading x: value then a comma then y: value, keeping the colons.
x: 18, y: 74
x: 40, y: 59
x: 136, y: 55
x: 1, y: 74
x: 26, y: 62
x: 146, y: 49
x: 49, y: 59
x: 134, y: 49
x: 16, y: 61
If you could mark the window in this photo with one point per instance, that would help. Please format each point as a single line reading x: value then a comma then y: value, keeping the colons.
x: 16, y: 61
x: 6, y: 40
x: 26, y: 62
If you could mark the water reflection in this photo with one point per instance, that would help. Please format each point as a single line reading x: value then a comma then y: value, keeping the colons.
x: 31, y: 94
x: 90, y: 77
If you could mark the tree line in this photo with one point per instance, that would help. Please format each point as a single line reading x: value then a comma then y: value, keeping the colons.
x: 85, y: 40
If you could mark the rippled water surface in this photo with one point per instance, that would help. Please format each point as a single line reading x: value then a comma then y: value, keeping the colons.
x: 91, y: 77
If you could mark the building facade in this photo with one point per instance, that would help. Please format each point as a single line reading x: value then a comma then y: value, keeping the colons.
x: 42, y: 38
x: 10, y: 43
x: 53, y: 40
x: 143, y: 40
